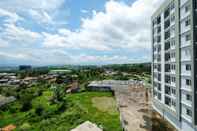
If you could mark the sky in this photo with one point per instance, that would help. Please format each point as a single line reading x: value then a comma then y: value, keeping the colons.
x: 84, y: 32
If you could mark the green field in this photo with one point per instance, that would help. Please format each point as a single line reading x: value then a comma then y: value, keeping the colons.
x: 76, y: 109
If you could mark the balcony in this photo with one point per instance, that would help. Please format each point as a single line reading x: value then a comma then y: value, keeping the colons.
x: 167, y: 57
x: 167, y: 35
x: 167, y: 13
x: 167, y: 45
x: 167, y: 24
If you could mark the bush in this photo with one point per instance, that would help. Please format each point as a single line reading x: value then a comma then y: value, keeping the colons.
x: 62, y: 107
x: 39, y: 110
x: 25, y: 127
x: 26, y: 106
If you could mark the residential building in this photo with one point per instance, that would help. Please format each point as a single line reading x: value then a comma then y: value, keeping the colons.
x: 174, y: 62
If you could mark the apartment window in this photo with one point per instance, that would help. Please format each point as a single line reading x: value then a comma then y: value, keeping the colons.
x: 159, y: 58
x: 158, y: 19
x: 154, y: 93
x: 159, y: 29
x: 188, y: 82
x: 173, y: 79
x: 173, y: 67
x: 187, y: 52
x: 173, y: 91
x: 173, y: 103
x: 167, y: 101
x: 172, y: 29
x: 159, y: 48
x: 159, y: 77
x: 167, y: 34
x: 167, y: 56
x: 187, y: 8
x: 167, y: 67
x: 187, y: 37
x: 187, y: 22
x: 159, y: 87
x: 166, y: 23
x: 155, y: 49
x: 159, y: 96
x: 172, y: 18
x: 158, y: 39
x: 172, y: 42
x: 155, y: 66
x: 159, y: 67
x: 172, y: 6
x: 167, y: 90
x: 189, y: 112
x: 188, y: 97
x: 167, y: 45
x: 188, y: 67
x: 167, y: 79
x: 167, y: 13
x: 172, y: 55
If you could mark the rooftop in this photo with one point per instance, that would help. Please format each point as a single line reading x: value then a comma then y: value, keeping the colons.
x: 87, y: 126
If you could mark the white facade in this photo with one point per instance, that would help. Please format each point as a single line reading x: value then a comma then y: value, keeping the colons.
x: 173, y: 63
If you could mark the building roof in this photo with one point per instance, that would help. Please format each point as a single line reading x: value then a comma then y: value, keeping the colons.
x: 87, y: 126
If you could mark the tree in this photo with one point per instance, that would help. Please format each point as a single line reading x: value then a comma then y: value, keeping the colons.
x: 26, y: 105
x: 39, y: 110
x: 57, y: 94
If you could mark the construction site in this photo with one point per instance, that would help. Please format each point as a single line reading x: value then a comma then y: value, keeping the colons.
x: 135, y: 106
x: 134, y: 103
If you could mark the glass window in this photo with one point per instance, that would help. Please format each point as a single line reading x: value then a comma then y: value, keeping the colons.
x: 188, y: 97
x: 173, y: 91
x: 187, y: 7
x: 172, y: 18
x: 187, y: 22
x: 188, y: 67
x: 189, y: 112
x: 172, y: 6
x: 187, y: 37
x: 188, y: 82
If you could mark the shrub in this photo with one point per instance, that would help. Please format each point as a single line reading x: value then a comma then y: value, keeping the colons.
x: 26, y: 106
x: 39, y: 110
x: 25, y: 127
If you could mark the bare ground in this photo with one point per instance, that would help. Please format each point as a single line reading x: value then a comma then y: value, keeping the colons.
x: 134, y: 103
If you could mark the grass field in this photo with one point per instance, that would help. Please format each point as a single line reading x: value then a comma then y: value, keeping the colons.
x: 105, y: 104
x: 80, y: 107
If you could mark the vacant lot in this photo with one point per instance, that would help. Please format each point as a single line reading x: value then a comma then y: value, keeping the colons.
x: 105, y: 104
x: 79, y: 108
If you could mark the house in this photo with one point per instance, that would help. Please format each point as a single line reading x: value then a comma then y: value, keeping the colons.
x: 74, y: 87
x: 87, y: 126
x: 3, y: 81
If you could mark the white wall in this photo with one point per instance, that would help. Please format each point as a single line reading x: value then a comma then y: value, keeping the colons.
x: 183, y: 27
x: 183, y: 13
x: 183, y: 41
x: 184, y: 114
x: 183, y: 2
x: 183, y: 69
x: 185, y: 54
x: 183, y: 84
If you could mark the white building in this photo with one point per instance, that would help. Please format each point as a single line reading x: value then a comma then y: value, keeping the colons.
x: 174, y: 67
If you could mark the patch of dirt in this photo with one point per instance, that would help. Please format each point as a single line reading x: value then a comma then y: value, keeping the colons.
x: 105, y: 104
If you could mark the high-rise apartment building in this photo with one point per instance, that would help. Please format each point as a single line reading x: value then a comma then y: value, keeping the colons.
x: 174, y: 67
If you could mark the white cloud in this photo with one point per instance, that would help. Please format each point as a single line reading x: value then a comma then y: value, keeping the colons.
x: 41, y: 16
x: 3, y: 43
x: 41, y: 11
x: 14, y: 34
x: 120, y: 26
x: 11, y: 16
x: 84, y: 11
x: 18, y: 5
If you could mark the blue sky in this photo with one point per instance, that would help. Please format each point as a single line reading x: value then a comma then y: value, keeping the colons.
x: 58, y: 32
